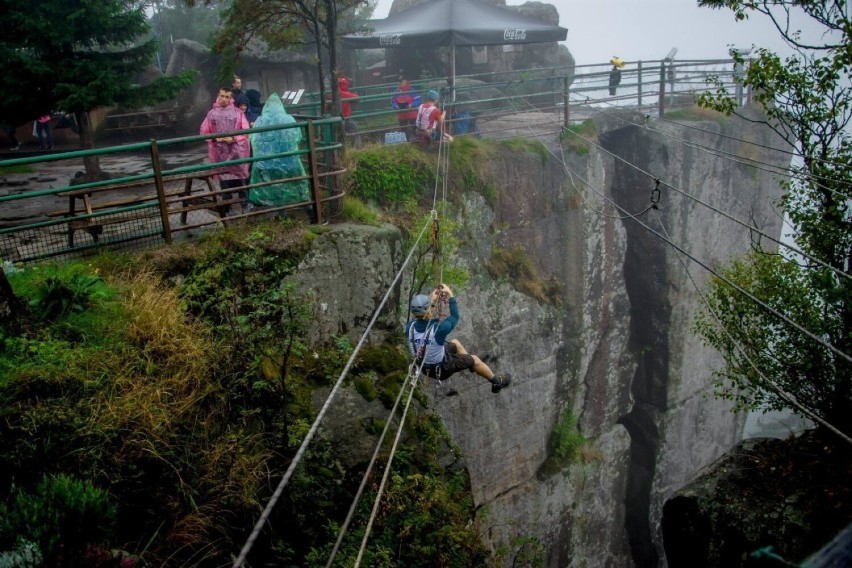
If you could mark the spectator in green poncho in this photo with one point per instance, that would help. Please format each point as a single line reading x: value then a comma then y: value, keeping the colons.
x: 271, y: 143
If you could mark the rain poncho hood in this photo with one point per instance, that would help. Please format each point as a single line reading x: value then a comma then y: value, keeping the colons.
x: 277, y: 142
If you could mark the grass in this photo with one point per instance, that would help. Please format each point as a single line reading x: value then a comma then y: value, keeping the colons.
x: 21, y: 169
x: 578, y: 137
x: 515, y: 265
x: 566, y: 446
x: 359, y: 212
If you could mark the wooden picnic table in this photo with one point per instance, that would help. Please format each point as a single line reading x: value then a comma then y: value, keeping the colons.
x: 209, y: 198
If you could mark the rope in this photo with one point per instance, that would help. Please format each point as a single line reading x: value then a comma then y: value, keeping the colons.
x: 442, y: 167
x: 704, y: 265
x: 736, y: 157
x: 315, y: 426
x: 412, y: 369
x: 791, y: 247
x: 386, y: 473
x: 770, y: 309
x: 781, y: 392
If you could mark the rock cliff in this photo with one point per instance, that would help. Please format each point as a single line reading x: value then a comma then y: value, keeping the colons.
x: 597, y: 326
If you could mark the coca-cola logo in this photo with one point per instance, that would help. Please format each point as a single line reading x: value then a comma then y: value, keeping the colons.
x: 514, y: 35
x: 390, y: 39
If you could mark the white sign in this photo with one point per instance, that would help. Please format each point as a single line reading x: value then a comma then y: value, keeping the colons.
x: 515, y: 35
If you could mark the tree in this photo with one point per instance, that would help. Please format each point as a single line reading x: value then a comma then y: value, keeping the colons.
x: 174, y: 19
x: 76, y: 56
x: 807, y: 99
x: 290, y: 24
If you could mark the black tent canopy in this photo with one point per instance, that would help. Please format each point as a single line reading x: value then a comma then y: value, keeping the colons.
x: 453, y: 23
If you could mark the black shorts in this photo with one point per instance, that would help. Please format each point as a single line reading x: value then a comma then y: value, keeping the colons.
x: 453, y: 363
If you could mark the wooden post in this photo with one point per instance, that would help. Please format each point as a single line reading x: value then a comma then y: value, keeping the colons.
x: 639, y: 83
x: 161, y: 192
x: 662, y: 100
x: 315, y: 182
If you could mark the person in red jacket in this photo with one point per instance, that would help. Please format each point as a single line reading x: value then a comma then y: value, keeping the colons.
x: 346, y: 98
x: 407, y: 100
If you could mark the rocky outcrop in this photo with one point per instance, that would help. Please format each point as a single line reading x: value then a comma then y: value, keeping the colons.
x: 791, y: 495
x: 616, y: 349
x: 589, y: 305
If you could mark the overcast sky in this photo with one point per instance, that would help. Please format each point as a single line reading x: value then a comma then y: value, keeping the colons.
x: 648, y: 29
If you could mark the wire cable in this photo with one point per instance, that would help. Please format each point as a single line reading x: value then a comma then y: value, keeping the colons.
x: 789, y: 246
x: 386, y: 473
x: 727, y: 281
x: 781, y: 392
x: 416, y: 371
x: 740, y: 159
x: 701, y: 263
x: 315, y: 426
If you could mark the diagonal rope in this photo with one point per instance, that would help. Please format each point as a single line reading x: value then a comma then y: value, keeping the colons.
x: 315, y: 426
x: 703, y: 264
x: 386, y: 473
x: 731, y: 156
x: 413, y: 372
x: 781, y: 392
x: 775, y: 240
x: 727, y: 281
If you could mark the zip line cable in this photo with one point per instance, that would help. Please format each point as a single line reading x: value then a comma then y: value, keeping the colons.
x: 412, y: 369
x: 315, y: 426
x: 727, y: 281
x: 759, y: 302
x: 582, y: 197
x: 386, y: 473
x: 739, y: 159
x: 781, y: 392
x: 791, y: 153
x: 789, y: 246
x: 442, y: 172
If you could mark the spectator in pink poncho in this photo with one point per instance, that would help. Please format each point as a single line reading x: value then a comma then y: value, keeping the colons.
x: 225, y: 117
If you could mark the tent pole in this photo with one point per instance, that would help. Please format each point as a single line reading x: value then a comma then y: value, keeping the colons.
x: 453, y: 72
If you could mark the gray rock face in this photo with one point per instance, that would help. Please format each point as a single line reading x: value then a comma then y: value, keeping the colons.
x: 619, y: 351
x: 615, y: 346
x: 345, y: 275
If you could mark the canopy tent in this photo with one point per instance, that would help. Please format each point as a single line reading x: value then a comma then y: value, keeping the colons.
x: 453, y: 23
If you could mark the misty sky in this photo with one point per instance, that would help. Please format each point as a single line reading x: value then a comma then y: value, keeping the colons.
x: 648, y: 29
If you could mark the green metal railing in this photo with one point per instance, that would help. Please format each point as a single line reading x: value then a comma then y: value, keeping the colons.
x: 45, y: 222
x: 569, y: 93
x: 153, y: 204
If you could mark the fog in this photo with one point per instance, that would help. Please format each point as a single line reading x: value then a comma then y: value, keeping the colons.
x: 648, y: 29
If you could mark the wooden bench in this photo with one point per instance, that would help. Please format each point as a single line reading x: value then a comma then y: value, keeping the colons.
x: 142, y: 119
x: 94, y: 225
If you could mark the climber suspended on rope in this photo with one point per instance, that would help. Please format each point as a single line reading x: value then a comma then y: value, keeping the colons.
x: 427, y: 340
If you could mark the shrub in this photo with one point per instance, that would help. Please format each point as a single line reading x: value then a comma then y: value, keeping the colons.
x: 392, y: 174
x: 356, y: 210
x: 63, y: 517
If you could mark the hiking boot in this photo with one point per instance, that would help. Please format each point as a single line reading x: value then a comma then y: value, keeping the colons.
x: 500, y: 382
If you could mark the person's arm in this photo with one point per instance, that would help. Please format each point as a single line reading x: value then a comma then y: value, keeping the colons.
x: 350, y: 97
x: 449, y: 323
x: 394, y: 101
x: 243, y: 125
x: 205, y: 126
